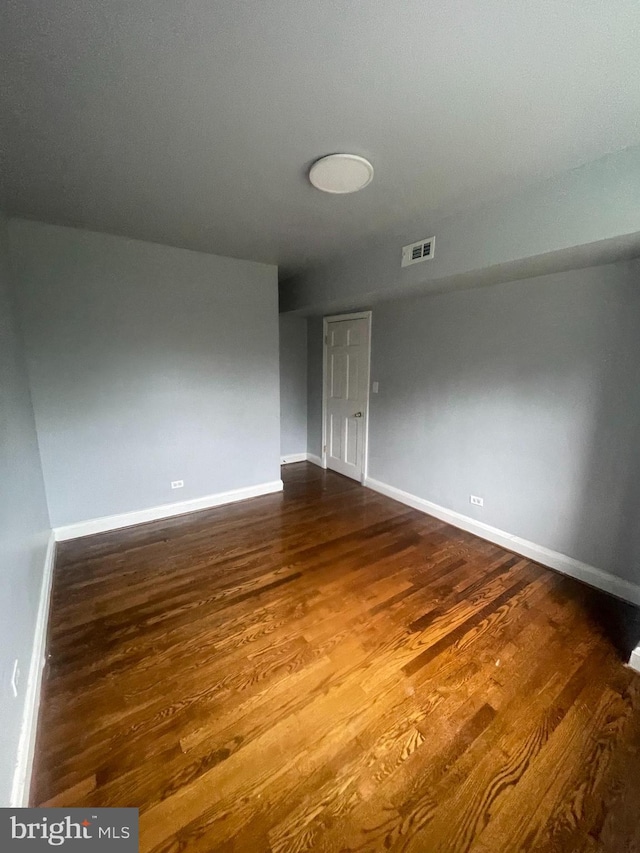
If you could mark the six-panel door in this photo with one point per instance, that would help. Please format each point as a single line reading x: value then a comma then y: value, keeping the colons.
x: 346, y: 395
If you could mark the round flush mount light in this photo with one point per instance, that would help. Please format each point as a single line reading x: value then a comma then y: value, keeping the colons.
x: 341, y: 173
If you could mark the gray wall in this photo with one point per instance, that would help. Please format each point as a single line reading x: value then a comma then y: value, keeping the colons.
x: 579, y: 218
x: 293, y: 384
x: 314, y: 385
x: 147, y: 364
x: 24, y: 525
x: 526, y: 394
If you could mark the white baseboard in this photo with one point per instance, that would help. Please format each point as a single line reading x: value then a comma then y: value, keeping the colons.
x: 127, y: 519
x: 634, y: 661
x: 26, y: 747
x: 553, y: 559
x: 316, y: 460
x: 302, y: 457
x: 293, y: 457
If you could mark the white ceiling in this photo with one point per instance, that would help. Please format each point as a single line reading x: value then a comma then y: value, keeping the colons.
x: 193, y: 122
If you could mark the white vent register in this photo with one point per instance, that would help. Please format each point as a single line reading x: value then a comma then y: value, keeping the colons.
x: 415, y: 253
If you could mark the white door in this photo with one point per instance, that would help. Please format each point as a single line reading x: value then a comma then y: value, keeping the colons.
x: 346, y: 394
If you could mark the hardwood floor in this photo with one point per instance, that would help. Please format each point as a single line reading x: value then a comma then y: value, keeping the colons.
x: 329, y: 670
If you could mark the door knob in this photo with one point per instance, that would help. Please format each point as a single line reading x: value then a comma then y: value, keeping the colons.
x: 358, y: 415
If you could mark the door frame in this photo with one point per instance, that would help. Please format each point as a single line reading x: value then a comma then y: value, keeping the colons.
x: 356, y: 315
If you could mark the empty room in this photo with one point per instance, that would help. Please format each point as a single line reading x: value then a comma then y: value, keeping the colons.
x: 320, y: 426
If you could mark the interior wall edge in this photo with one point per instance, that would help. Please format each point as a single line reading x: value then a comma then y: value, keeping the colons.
x: 293, y: 457
x: 129, y: 519
x: 26, y: 748
x: 315, y: 460
x: 552, y: 559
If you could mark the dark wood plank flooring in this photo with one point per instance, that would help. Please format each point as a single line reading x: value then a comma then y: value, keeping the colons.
x: 329, y: 670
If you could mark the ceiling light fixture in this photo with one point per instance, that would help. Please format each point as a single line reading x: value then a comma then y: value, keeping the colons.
x: 341, y: 173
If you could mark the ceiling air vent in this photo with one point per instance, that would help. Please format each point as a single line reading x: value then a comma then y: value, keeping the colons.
x: 414, y: 253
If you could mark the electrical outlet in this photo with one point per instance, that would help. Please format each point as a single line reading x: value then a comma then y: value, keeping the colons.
x: 376, y: 387
x: 476, y: 501
x: 177, y: 484
x: 15, y: 678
